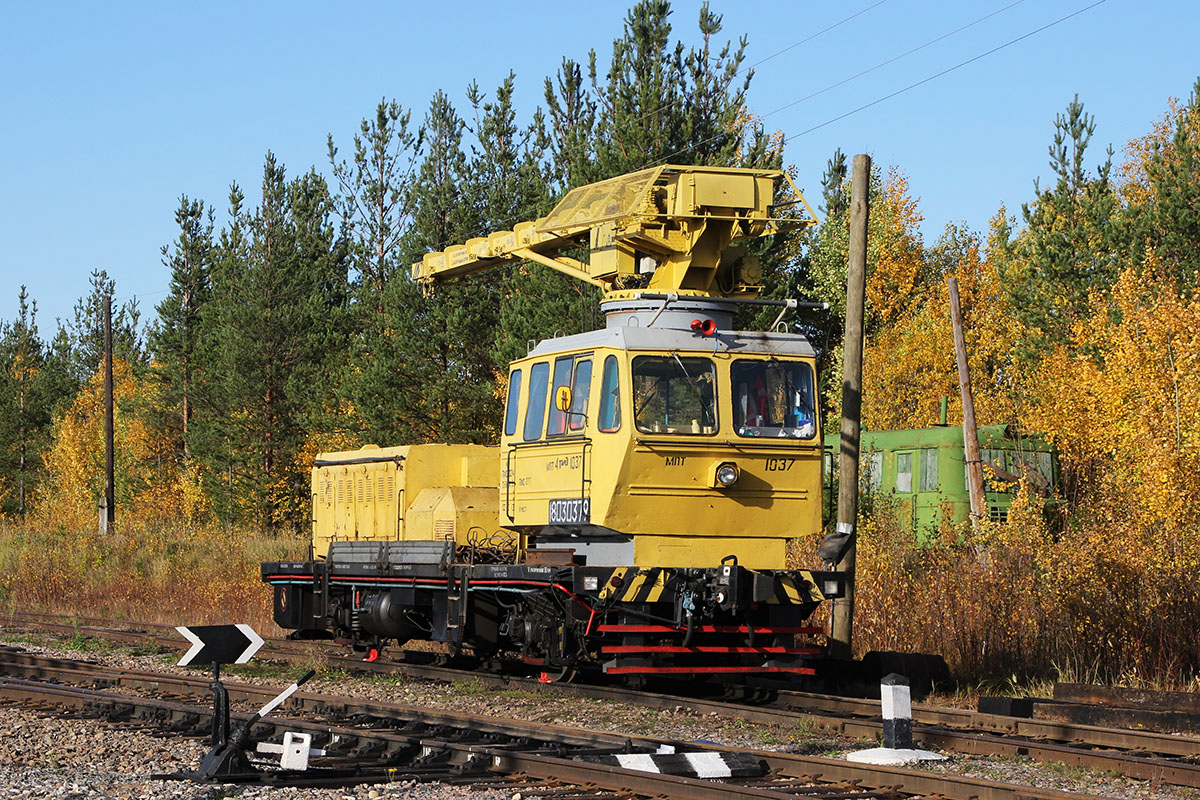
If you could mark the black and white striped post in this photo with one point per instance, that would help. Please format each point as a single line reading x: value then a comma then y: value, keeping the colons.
x: 895, y: 697
x: 895, y: 700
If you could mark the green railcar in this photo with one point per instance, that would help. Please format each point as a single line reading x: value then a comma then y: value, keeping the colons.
x: 920, y: 475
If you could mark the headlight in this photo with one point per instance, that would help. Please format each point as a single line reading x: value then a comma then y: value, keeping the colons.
x: 727, y: 474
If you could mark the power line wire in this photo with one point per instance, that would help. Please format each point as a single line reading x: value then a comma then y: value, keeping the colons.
x: 894, y: 59
x: 943, y: 72
x: 792, y: 46
x: 831, y: 86
x: 813, y: 36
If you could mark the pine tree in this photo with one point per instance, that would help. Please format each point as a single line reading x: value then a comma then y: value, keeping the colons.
x: 84, y: 337
x: 176, y: 338
x: 715, y: 122
x: 279, y: 303
x: 430, y: 376
x: 572, y: 120
x: 833, y: 184
x: 642, y: 95
x: 26, y: 399
x: 373, y: 196
x: 322, y: 258
x: 659, y: 104
x: 1071, y: 239
x: 508, y: 178
x: 1167, y: 225
x: 506, y: 169
x: 215, y: 431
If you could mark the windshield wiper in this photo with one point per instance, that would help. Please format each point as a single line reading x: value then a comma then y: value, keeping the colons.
x: 695, y: 384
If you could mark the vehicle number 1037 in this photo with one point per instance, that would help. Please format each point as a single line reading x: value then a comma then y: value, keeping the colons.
x: 780, y: 464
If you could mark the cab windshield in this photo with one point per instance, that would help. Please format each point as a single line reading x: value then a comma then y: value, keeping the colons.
x: 773, y: 398
x: 672, y: 394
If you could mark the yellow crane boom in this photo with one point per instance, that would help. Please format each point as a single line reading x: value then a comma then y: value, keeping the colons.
x: 663, y: 229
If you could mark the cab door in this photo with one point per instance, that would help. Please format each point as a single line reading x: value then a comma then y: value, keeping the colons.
x: 548, y: 469
x: 927, y: 498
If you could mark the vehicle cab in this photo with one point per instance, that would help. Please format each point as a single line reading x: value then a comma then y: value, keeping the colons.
x: 665, y: 438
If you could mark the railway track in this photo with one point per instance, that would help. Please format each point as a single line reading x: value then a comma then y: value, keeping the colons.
x: 1137, y: 754
x: 369, y: 741
x: 1177, y: 712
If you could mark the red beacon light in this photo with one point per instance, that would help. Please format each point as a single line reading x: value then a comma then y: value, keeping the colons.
x: 704, y: 327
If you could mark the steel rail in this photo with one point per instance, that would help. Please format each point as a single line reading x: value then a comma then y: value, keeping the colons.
x: 55, y: 669
x: 539, y: 765
x: 418, y: 746
x: 1037, y: 729
x: 950, y: 729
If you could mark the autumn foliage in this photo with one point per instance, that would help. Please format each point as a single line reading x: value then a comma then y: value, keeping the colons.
x: 150, y: 487
x: 1101, y: 586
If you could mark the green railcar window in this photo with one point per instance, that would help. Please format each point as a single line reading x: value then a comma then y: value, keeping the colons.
x: 610, y: 397
x: 874, y: 470
x: 1036, y: 465
x: 674, y: 395
x: 929, y: 469
x: 535, y: 411
x: 510, y: 411
x: 1004, y: 469
x: 996, y: 477
x: 904, y: 469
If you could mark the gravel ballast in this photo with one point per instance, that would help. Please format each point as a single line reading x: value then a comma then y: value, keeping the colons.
x: 49, y: 756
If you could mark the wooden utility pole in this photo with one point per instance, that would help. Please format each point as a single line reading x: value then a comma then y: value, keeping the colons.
x: 108, y: 507
x: 856, y: 278
x: 970, y: 432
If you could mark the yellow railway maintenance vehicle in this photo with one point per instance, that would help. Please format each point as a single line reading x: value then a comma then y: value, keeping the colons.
x: 635, y: 516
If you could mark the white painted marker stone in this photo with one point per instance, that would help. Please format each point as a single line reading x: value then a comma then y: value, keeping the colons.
x: 895, y: 699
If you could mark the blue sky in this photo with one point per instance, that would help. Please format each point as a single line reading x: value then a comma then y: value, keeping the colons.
x: 113, y: 110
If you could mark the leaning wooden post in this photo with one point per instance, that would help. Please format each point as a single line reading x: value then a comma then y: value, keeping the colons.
x: 974, y: 464
x: 108, y: 510
x: 842, y: 624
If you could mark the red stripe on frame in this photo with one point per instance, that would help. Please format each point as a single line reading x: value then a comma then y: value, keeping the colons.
x: 698, y: 670
x: 702, y: 629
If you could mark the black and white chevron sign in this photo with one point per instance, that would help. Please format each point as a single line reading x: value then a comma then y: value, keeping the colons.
x: 219, y: 644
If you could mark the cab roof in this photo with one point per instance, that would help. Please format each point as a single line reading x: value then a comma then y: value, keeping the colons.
x: 636, y: 338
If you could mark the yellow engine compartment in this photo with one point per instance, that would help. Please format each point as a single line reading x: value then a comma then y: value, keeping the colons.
x: 412, y: 492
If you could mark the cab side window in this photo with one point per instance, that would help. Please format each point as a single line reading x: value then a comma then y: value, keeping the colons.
x: 579, y: 394
x: 575, y: 372
x: 610, y: 397
x: 562, y: 377
x: 510, y: 410
x: 535, y: 412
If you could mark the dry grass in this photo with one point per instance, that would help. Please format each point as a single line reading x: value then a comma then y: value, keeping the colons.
x: 1015, y: 604
x: 177, y: 576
